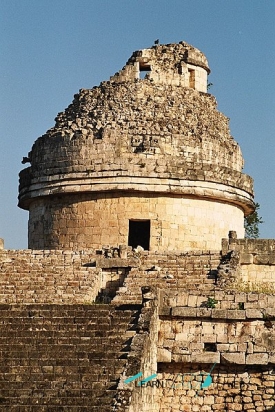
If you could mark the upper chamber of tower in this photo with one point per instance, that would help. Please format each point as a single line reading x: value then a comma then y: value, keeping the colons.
x: 151, y: 132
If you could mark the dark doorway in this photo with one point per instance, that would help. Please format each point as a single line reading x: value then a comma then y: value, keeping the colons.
x: 139, y: 233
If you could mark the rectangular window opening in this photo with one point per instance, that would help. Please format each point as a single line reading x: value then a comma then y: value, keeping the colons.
x: 210, y: 347
x: 144, y: 72
x: 139, y: 233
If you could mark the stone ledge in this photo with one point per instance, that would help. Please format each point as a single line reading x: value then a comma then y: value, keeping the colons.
x: 257, y: 359
x: 61, y: 184
x: 253, y: 314
x: 233, y: 358
x: 205, y: 357
x: 193, y: 312
x: 106, y: 263
x: 184, y: 312
x: 219, y: 313
x: 235, y: 314
x: 246, y: 258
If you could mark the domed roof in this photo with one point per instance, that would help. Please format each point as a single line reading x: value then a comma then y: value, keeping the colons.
x: 129, y: 128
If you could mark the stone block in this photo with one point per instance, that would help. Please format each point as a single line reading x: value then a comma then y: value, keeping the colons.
x: 235, y: 314
x: 233, y: 357
x: 232, y: 347
x: 168, y: 343
x: 250, y: 347
x: 222, y: 338
x: 204, y: 312
x: 242, y: 347
x: 270, y: 312
x: 192, y: 301
x: 272, y: 258
x: 106, y: 263
x: 182, y: 300
x: 271, y: 358
x: 165, y: 311
x: 261, y: 259
x: 240, y: 297
x: 219, y: 295
x: 246, y: 258
x: 252, y: 297
x: 196, y: 346
x: 271, y: 301
x: 253, y: 314
x: 222, y: 347
x: 209, y: 338
x: 164, y: 355
x: 181, y: 358
x: 184, y: 312
x: 257, y: 359
x: 205, y: 357
x: 219, y: 313
x: 182, y: 349
x: 259, y: 348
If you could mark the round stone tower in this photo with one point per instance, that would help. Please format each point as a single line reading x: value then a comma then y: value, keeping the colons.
x: 143, y: 159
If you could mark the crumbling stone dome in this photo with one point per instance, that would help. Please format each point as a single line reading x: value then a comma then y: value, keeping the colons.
x: 139, y: 160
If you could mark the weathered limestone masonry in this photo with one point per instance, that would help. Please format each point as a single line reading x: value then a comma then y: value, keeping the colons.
x: 131, y: 197
x: 235, y: 338
x: 256, y: 259
x: 47, y: 315
x: 146, y: 161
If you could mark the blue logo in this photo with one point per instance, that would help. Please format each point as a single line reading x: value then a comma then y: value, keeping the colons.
x: 184, y: 383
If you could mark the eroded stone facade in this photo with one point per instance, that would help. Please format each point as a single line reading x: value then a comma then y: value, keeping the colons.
x: 133, y: 149
x: 91, y: 320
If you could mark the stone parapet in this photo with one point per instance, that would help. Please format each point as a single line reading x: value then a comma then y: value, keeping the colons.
x: 255, y: 247
x: 245, y: 305
x: 256, y: 260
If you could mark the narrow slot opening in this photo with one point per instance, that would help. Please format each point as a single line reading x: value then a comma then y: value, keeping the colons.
x: 191, y: 78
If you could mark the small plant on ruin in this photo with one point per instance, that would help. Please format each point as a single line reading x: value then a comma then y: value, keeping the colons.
x: 251, y: 223
x: 266, y: 316
x: 211, y: 303
x: 241, y: 305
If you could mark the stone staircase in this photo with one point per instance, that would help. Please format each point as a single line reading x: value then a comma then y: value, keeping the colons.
x: 195, y: 271
x: 63, y: 357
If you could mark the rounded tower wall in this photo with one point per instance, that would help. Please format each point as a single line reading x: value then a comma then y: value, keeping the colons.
x: 155, y: 222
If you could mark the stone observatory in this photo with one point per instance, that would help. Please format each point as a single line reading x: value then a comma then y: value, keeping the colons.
x: 142, y: 159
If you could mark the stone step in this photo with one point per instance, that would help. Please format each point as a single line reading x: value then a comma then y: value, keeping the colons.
x: 75, y: 362
x: 51, y: 408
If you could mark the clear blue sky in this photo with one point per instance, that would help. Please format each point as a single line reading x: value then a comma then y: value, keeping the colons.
x: 52, y: 48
